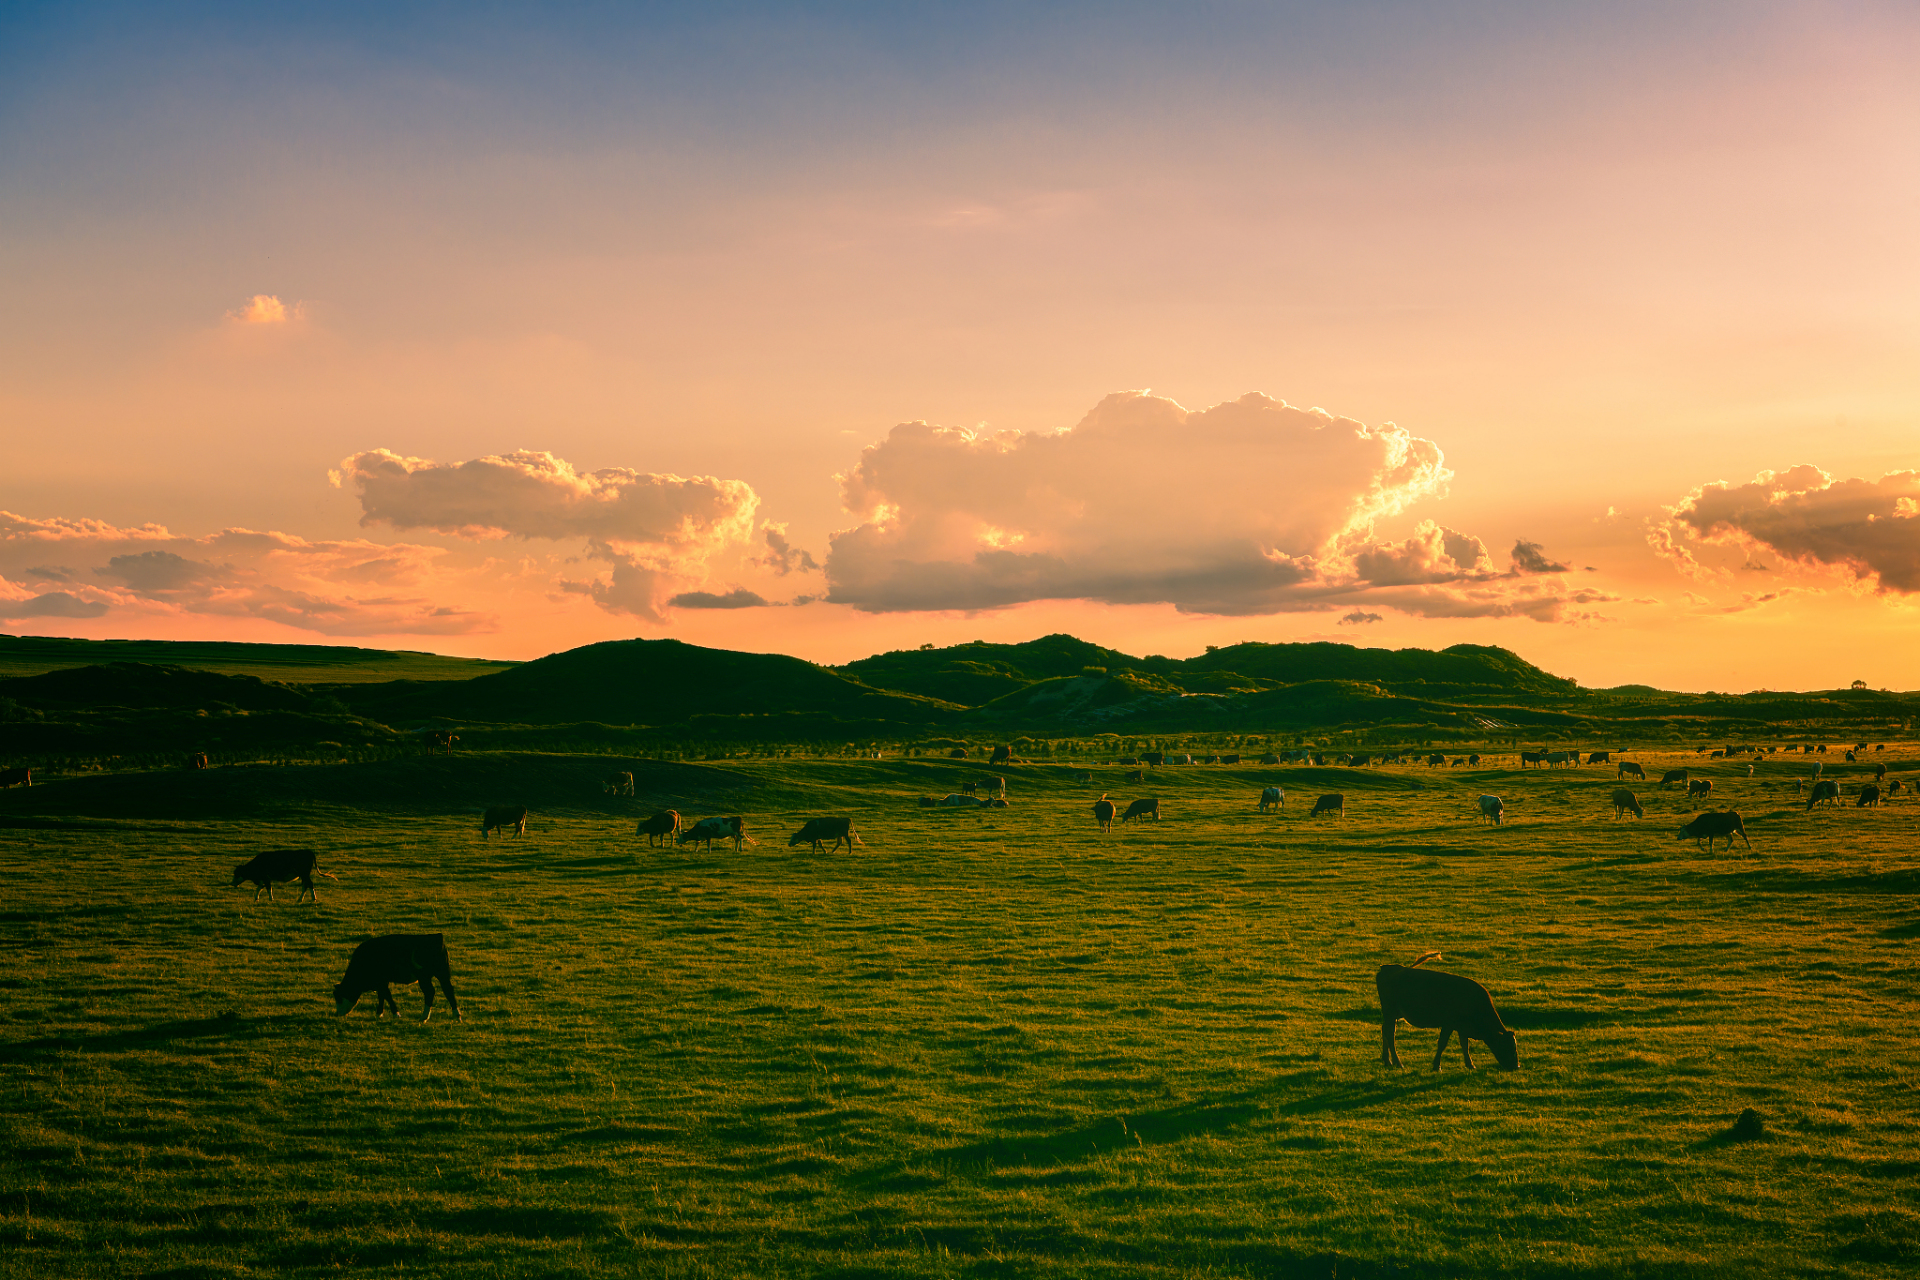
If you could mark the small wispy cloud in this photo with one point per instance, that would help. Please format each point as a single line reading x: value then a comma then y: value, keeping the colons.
x: 264, y: 308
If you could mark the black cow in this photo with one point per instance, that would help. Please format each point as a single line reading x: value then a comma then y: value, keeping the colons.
x: 1699, y: 787
x: 1673, y: 775
x: 16, y: 777
x: 1711, y: 826
x: 819, y: 829
x: 1869, y: 797
x: 1329, y: 804
x: 405, y: 958
x: 1827, y: 790
x: 1142, y: 809
x: 502, y: 817
x: 263, y: 869
x: 660, y: 828
x: 1456, y: 1005
x: 1103, y: 813
x: 1628, y: 769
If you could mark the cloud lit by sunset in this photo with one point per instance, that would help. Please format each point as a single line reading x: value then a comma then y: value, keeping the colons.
x: 262, y: 308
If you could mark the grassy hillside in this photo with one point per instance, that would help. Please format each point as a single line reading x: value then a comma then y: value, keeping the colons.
x: 305, y: 663
x: 988, y: 1043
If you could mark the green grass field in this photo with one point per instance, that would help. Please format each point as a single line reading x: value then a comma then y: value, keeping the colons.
x: 986, y: 1043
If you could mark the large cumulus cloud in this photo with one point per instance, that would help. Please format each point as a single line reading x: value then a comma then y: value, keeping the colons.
x: 1253, y: 506
x: 1869, y: 529
x: 653, y: 530
x: 339, y: 588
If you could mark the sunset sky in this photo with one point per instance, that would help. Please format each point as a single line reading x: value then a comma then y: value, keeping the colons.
x: 1590, y: 331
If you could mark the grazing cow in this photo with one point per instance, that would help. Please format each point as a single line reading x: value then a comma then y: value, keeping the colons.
x: 1715, y: 755
x: 958, y: 753
x: 1490, y: 807
x: 1329, y: 804
x: 263, y: 869
x: 1673, y: 775
x: 819, y: 829
x: 1002, y: 754
x: 1473, y: 762
x: 1558, y: 758
x: 1138, y: 775
x: 405, y: 958
x: 1142, y: 809
x: 441, y: 743
x: 1435, y: 759
x: 10, y: 778
x: 1456, y: 1005
x: 1103, y: 813
x: 1456, y: 762
x: 1893, y: 788
x: 1272, y: 798
x: 1699, y: 787
x: 1085, y: 779
x: 1879, y: 772
x: 1356, y: 761
x: 1869, y: 797
x: 1211, y: 760
x: 969, y: 788
x: 1531, y: 758
x: 1849, y: 757
x: 1229, y: 759
x: 1709, y: 826
x: 1624, y: 801
x: 930, y: 802
x: 617, y: 784
x: 1628, y: 769
x: 1600, y: 757
x: 198, y: 760
x: 502, y: 816
x: 707, y: 830
x: 1127, y: 760
x: 660, y: 828
x: 994, y: 786
x: 1153, y: 759
x: 1269, y: 758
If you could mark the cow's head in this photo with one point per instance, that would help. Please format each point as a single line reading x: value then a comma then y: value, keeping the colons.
x: 344, y: 1000
x: 1506, y: 1049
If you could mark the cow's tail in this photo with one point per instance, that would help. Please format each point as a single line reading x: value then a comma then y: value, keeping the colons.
x: 1431, y: 955
x: 328, y: 874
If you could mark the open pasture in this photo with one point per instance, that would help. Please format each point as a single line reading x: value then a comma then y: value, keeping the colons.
x: 983, y: 1043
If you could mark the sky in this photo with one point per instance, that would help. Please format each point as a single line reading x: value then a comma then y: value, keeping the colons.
x: 1588, y: 331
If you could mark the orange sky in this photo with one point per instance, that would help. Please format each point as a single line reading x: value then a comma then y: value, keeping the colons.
x: 675, y: 276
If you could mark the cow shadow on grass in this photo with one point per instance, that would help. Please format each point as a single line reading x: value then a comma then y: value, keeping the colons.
x: 1160, y: 1126
x: 227, y: 1026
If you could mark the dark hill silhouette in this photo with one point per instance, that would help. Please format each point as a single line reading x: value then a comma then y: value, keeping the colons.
x: 149, y: 685
x: 1461, y: 666
x: 647, y: 682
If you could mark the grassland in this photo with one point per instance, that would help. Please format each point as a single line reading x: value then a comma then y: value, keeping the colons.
x: 991, y: 1043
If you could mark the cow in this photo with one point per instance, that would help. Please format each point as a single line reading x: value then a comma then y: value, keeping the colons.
x: 1628, y: 769
x: 1137, y: 775
x: 1356, y: 761
x: 502, y: 816
x: 660, y: 828
x: 1142, y: 809
x: 1272, y: 798
x: 1624, y: 802
x: 1893, y: 788
x: 405, y: 958
x: 1819, y: 766
x: 1002, y: 754
x: 10, y: 778
x: 263, y: 869
x: 1711, y: 825
x: 1673, y: 775
x: 1084, y: 779
x: 1600, y: 757
x: 1699, y: 787
x: 819, y: 829
x: 1715, y: 755
x: 1435, y: 759
x: 617, y: 784
x: 1879, y: 772
x: 1490, y: 807
x: 969, y: 788
x: 1473, y: 762
x: 1556, y: 758
x: 1103, y: 813
x: 1329, y: 804
x: 1849, y: 757
x: 707, y: 830
x: 994, y: 786
x: 959, y: 801
x: 1269, y: 758
x: 198, y: 760
x: 441, y: 743
x: 957, y: 753
x: 1153, y: 759
x: 1456, y: 1005
x: 1828, y: 790
x: 1211, y: 760
x: 1229, y: 759
x: 1869, y: 797
x: 1530, y: 758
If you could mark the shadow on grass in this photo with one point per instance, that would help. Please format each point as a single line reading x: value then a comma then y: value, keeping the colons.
x: 221, y: 1026
x: 1784, y: 880
x: 1911, y: 929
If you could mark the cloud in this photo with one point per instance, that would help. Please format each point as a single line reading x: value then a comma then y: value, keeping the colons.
x: 264, y: 308
x: 739, y: 598
x: 1869, y: 529
x: 1531, y: 557
x: 54, y: 604
x: 1357, y: 618
x: 655, y: 530
x: 1250, y: 507
x: 345, y: 588
x: 783, y: 557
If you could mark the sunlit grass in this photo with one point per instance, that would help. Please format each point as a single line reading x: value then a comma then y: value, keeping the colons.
x: 984, y: 1043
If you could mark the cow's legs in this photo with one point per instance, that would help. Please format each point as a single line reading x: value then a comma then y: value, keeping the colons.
x: 269, y: 892
x: 1446, y: 1033
x: 256, y: 893
x: 1389, y: 1056
x: 446, y: 985
x: 386, y: 998
x: 306, y: 890
x: 1466, y: 1050
x: 426, y: 989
